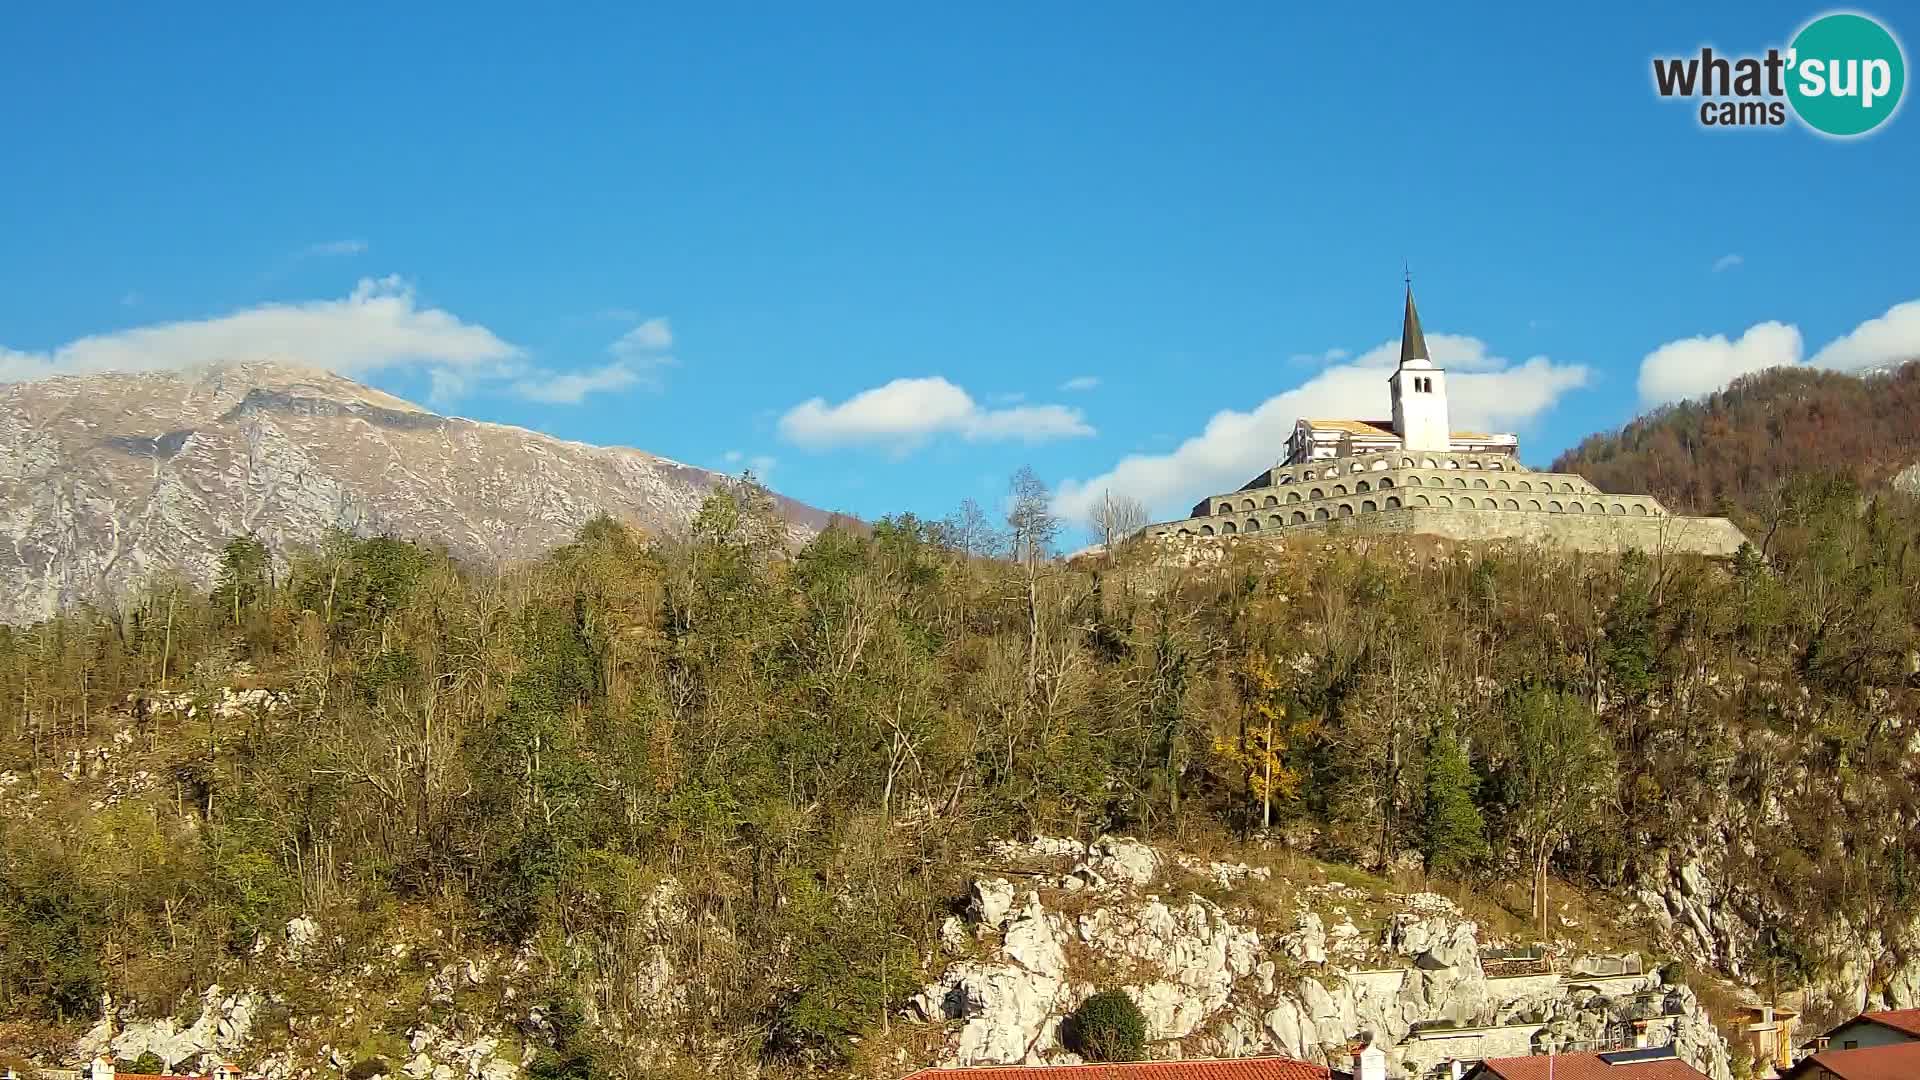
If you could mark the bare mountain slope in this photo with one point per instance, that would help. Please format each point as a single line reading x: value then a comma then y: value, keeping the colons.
x: 108, y: 479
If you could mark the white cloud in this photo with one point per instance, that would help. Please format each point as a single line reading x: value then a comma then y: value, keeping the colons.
x: 1485, y: 392
x: 906, y: 412
x: 333, y: 249
x: 378, y: 326
x: 448, y: 385
x: 644, y: 341
x: 1699, y: 365
x: 1081, y: 383
x: 1319, y: 359
x: 762, y: 465
x: 572, y: 387
x: 1889, y: 339
x: 1726, y: 262
x: 637, y: 355
x: 1694, y: 366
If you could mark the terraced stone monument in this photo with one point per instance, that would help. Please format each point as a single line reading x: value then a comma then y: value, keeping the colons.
x: 1415, y: 474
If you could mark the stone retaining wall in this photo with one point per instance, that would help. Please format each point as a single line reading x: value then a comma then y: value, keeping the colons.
x: 1582, y: 532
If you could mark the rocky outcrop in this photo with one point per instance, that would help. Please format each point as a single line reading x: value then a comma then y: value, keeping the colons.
x: 1209, y: 983
x: 1195, y: 953
x: 1689, y: 905
x: 1008, y: 1009
x: 1698, y: 915
x: 224, y: 1022
x: 227, y: 1024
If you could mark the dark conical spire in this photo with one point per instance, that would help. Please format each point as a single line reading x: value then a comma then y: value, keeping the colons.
x: 1413, y: 343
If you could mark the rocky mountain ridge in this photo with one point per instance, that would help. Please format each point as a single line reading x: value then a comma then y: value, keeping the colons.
x: 109, y: 480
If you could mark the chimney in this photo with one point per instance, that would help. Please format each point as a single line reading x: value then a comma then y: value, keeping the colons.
x: 101, y: 1069
x: 1369, y: 1061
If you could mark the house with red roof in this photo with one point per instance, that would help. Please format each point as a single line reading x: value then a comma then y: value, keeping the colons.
x: 1874, y: 1029
x: 1657, y: 1063
x: 1890, y: 1061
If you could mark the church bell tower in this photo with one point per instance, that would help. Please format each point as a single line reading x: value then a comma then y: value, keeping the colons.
x: 1419, y: 391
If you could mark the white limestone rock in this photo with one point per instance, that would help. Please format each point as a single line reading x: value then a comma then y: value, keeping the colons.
x: 1002, y: 1009
x: 1008, y: 1009
x: 1123, y: 860
x: 1308, y: 941
x: 1040, y: 848
x: 1194, y: 946
x: 303, y: 933
x: 1035, y: 940
x: 1908, y: 480
x: 1209, y: 986
x: 97, y: 1039
x: 954, y: 940
x: 992, y: 902
x: 222, y: 1028
x: 1290, y: 1029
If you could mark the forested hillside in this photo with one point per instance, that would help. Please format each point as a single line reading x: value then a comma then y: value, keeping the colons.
x: 810, y: 744
x: 1731, y: 451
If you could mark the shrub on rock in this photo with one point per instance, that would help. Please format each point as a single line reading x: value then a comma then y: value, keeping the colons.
x: 1108, y: 1027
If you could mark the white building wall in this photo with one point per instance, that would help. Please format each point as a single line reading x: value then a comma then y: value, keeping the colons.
x: 1864, y: 1033
x: 1420, y: 407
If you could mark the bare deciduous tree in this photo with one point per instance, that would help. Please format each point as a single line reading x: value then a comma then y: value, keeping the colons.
x: 968, y: 530
x: 1031, y: 523
x: 1116, y: 517
x: 1032, y: 527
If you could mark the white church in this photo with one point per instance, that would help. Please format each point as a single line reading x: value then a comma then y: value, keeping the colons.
x: 1415, y: 474
x: 1419, y: 392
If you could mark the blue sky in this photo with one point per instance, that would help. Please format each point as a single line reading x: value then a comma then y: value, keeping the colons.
x: 702, y: 230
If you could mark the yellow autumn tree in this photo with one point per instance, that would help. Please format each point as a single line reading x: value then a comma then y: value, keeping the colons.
x: 1266, y: 726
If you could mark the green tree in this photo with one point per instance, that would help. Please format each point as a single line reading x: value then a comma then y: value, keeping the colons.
x: 1560, y: 776
x: 245, y: 572
x: 1453, y: 834
x: 1628, y: 651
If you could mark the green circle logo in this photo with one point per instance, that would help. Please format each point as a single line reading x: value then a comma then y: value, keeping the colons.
x: 1845, y: 74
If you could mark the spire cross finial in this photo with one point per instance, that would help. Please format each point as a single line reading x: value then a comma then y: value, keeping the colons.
x: 1408, y: 267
